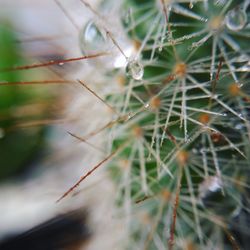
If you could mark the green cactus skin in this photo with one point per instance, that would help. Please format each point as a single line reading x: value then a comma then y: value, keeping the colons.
x: 183, y: 176
x: 180, y: 132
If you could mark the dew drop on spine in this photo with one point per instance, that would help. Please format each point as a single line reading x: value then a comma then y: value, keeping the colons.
x: 135, y: 69
x: 236, y: 19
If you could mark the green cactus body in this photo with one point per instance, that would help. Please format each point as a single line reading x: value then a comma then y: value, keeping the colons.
x: 180, y: 130
x: 180, y: 175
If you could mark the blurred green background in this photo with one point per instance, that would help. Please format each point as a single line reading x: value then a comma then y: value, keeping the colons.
x: 20, y: 106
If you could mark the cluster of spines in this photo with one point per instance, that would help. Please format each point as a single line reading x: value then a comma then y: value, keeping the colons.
x: 179, y: 157
x: 182, y: 139
x: 181, y: 120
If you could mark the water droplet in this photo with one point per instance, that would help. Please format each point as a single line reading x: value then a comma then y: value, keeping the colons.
x: 213, y: 198
x: 211, y: 184
x: 61, y: 64
x: 146, y: 105
x: 92, y: 38
x: 128, y: 16
x: 135, y: 69
x: 191, y: 5
x: 211, y: 192
x: 129, y: 116
x: 236, y: 19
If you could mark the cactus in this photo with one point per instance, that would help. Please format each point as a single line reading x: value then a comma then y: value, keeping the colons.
x: 175, y: 76
x: 181, y: 126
